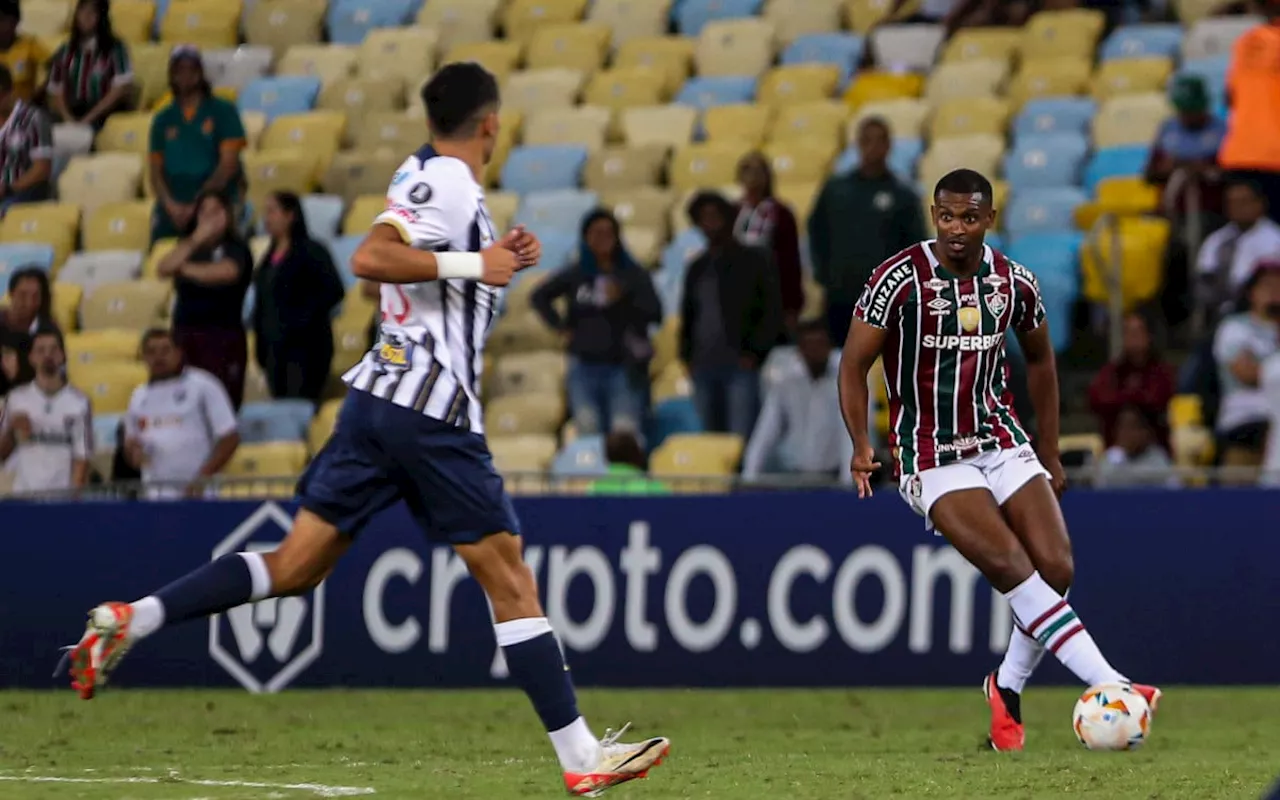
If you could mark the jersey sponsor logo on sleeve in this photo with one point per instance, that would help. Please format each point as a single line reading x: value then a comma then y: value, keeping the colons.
x: 403, y: 212
x: 420, y: 194
x: 400, y: 177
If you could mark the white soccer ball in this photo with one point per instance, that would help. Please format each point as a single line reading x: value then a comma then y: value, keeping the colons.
x: 1111, y: 716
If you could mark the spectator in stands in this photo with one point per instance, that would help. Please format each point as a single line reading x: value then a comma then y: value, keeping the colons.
x: 296, y: 290
x: 47, y: 434
x: 180, y: 429
x: 1230, y: 254
x: 26, y: 155
x: 22, y: 53
x: 1242, y: 343
x: 211, y: 269
x: 1251, y: 150
x: 91, y: 75
x: 195, y: 145
x: 30, y: 310
x: 1136, y: 458
x: 765, y: 221
x: 732, y: 316
x: 800, y: 430
x: 628, y: 472
x: 1138, y: 378
x: 859, y: 220
x: 611, y: 304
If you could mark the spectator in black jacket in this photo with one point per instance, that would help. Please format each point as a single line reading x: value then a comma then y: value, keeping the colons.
x: 732, y: 315
x: 296, y: 289
x: 611, y: 304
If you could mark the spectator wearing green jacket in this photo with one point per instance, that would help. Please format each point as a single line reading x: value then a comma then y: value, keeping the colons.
x: 627, y: 472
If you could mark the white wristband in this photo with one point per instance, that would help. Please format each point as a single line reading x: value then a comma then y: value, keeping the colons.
x: 469, y: 266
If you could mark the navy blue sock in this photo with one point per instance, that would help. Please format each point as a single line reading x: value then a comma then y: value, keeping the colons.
x: 537, y: 666
x: 211, y: 589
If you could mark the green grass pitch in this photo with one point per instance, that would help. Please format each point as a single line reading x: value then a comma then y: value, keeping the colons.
x: 859, y: 744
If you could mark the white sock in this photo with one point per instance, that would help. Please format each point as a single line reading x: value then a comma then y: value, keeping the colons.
x: 1050, y: 620
x: 1020, y: 660
x: 148, y: 617
x: 576, y: 746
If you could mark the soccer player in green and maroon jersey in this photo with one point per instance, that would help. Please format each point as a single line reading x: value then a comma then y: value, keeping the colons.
x: 937, y: 313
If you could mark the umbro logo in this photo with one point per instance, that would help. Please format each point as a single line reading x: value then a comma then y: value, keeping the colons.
x: 939, y: 304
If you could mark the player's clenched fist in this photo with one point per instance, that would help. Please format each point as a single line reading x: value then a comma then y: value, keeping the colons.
x: 498, y: 265
x: 524, y: 244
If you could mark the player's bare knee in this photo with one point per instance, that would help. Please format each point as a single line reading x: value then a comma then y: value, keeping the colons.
x: 1059, y: 571
x: 1006, y: 568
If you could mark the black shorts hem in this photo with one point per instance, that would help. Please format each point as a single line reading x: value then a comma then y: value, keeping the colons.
x: 326, y: 516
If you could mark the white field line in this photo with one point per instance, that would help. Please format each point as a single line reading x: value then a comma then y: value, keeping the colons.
x: 320, y: 790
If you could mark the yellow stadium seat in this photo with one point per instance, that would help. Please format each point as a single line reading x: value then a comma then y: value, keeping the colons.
x: 1121, y: 196
x: 1129, y: 76
x: 645, y: 244
x: 743, y: 46
x: 510, y: 122
x: 125, y: 132
x: 744, y: 123
x: 502, y: 208
x: 800, y: 195
x: 92, y: 181
x: 871, y: 87
x: 255, y: 123
x: 580, y: 46
x: 584, y: 125
x: 1050, y: 77
x: 905, y: 117
x: 322, y: 424
x: 965, y: 116
x: 1186, y: 410
x: 150, y: 71
x: 625, y: 87
x: 355, y: 173
x: 404, y: 54
x: 132, y: 20
x: 104, y: 346
x: 459, y: 21
x: 390, y: 130
x: 207, y: 24
x: 328, y: 62
x: 282, y: 24
x: 350, y: 342
x: 315, y: 135
x: 129, y: 305
x: 521, y: 18
x: 1191, y: 11
x: 666, y: 345
x: 541, y: 372
x: 359, y: 98
x: 283, y: 170
x: 46, y: 18
x: 66, y: 305
x: 798, y: 83
x: 525, y: 413
x: 673, y: 381
x: 267, y: 460
x: 863, y: 15
x: 41, y: 223
x: 541, y: 89
x: 526, y: 453
x: 794, y: 18
x: 801, y: 160
x: 825, y: 119
x: 524, y: 331
x: 1071, y: 33
x: 1130, y: 119
x: 227, y: 93
x: 160, y: 249
x: 974, y: 44
x: 628, y: 19
x: 1088, y: 445
x: 673, y: 55
x: 1142, y: 246
x: 361, y: 213
x: 110, y: 385
x: 670, y: 125
x: 978, y: 78
x: 697, y: 455
x: 980, y: 152
x: 706, y: 164
x: 642, y: 206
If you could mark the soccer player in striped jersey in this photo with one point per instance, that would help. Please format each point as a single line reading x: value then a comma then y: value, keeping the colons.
x: 411, y: 429
x: 937, y: 314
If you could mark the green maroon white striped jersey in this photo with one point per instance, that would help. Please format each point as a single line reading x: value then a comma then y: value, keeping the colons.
x: 944, y: 357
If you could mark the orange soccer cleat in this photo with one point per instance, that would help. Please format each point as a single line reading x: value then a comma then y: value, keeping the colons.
x: 1150, y: 693
x: 1007, y: 734
x: 105, y: 641
x: 619, y: 762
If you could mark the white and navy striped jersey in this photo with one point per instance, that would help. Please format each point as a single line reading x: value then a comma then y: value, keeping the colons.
x: 61, y: 434
x: 429, y: 350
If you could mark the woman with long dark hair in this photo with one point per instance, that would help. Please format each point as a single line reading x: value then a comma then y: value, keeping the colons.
x: 765, y: 221
x: 296, y: 287
x: 211, y: 269
x: 90, y: 76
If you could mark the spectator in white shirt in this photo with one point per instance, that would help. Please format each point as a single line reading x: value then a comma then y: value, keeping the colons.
x: 1136, y: 459
x: 1229, y: 255
x: 47, y: 432
x: 180, y: 429
x: 800, y: 431
x: 1242, y: 343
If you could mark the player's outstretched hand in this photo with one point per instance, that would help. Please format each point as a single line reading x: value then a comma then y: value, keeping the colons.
x: 499, y: 265
x: 524, y: 244
x: 864, y: 465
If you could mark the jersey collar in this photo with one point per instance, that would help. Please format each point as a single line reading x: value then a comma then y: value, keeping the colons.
x: 987, y: 259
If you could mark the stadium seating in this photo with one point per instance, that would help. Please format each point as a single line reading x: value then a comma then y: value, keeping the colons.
x: 1047, y: 160
x: 1137, y: 41
x: 1042, y: 210
x: 1115, y: 161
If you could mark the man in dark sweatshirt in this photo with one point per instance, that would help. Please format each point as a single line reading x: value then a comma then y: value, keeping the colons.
x: 860, y: 219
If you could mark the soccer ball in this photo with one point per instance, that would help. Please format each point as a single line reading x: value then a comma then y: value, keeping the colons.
x: 1111, y: 716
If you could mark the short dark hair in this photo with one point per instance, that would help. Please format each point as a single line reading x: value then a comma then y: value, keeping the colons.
x: 709, y: 198
x: 622, y: 447
x: 39, y: 276
x: 1248, y: 185
x: 11, y: 9
x: 456, y: 95
x: 6, y: 79
x: 875, y: 121
x: 965, y: 181
x: 50, y: 331
x: 1148, y: 417
x: 156, y: 333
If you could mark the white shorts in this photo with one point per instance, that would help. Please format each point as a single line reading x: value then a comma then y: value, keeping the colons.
x: 1001, y: 472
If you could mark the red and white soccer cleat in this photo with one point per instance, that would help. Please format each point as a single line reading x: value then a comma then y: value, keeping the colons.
x: 619, y: 762
x: 1007, y: 734
x: 105, y: 641
x: 1150, y: 693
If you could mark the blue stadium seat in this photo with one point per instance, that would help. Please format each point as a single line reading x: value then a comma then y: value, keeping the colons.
x: 559, y: 209
x: 342, y: 248
x: 559, y: 248
x: 903, y: 158
x: 703, y: 93
x: 247, y: 307
x: 691, y: 15
x: 581, y: 458
x: 1042, y: 210
x: 540, y: 168
x: 1055, y: 115
x: 104, y: 430
x: 282, y: 94
x: 1114, y: 162
x: 22, y: 255
x: 669, y: 284
x: 275, y: 421
x: 1048, y: 254
x: 323, y: 213
x: 993, y: 239
x: 671, y: 416
x: 1044, y: 161
x: 682, y: 249
x: 1058, y: 292
x: 349, y: 21
x: 844, y: 50
x: 1137, y: 41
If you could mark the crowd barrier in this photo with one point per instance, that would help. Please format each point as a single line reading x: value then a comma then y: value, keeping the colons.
x: 751, y: 589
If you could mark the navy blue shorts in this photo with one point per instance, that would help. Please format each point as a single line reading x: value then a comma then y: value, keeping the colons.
x: 381, y: 452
